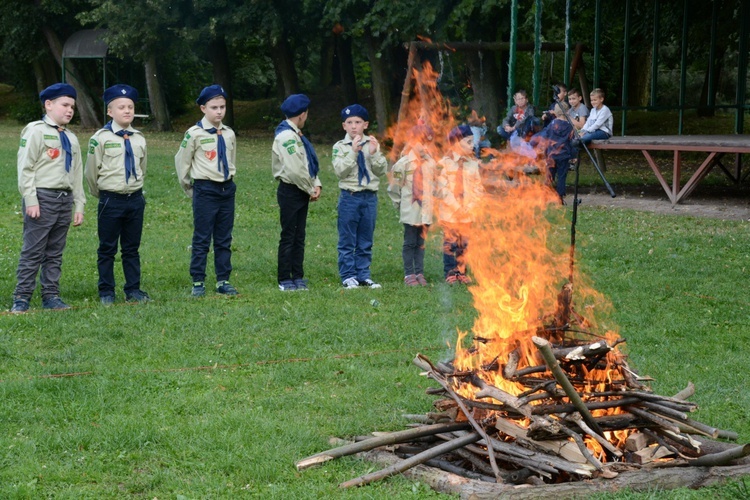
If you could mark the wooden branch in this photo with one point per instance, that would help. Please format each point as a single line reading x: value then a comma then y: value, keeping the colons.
x: 562, y: 379
x: 420, y: 458
x: 424, y: 363
x: 369, y: 444
x: 576, y: 417
x: 490, y: 391
x: 646, y: 415
x: 721, y: 458
x: 686, y: 392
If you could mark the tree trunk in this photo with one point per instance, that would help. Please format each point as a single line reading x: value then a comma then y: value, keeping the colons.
x: 219, y: 55
x: 84, y: 103
x: 484, y: 73
x: 156, y: 96
x: 283, y: 62
x: 639, y: 79
x: 381, y: 82
x: 346, y: 68
x: 327, y: 55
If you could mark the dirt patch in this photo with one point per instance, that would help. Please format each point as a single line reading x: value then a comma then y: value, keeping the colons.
x: 733, y: 205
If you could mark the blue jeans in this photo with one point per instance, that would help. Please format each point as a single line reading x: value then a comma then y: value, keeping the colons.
x: 596, y: 135
x: 356, y: 224
x: 120, y: 220
x: 213, y: 217
x: 479, y: 144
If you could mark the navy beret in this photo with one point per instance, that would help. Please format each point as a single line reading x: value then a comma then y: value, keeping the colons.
x: 354, y: 110
x: 423, y: 132
x: 209, y: 93
x: 295, y: 105
x: 120, y: 90
x: 57, y: 90
x: 459, y: 133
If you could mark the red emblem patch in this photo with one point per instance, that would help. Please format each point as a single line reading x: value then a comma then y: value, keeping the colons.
x: 210, y: 155
x: 53, y: 152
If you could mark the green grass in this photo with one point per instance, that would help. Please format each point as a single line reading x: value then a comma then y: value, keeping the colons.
x: 217, y: 398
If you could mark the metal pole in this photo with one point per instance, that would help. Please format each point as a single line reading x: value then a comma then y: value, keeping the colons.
x: 712, y: 53
x: 566, y: 76
x: 537, y: 51
x: 739, y: 123
x: 655, y: 53
x: 626, y: 64
x: 683, y: 63
x: 512, y: 51
x: 597, y: 40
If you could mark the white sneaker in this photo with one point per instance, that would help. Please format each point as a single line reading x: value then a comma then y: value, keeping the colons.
x: 350, y: 283
x: 369, y: 283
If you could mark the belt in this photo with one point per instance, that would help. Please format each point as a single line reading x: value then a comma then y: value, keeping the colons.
x: 54, y: 191
x: 207, y: 181
x: 120, y: 196
x: 359, y: 193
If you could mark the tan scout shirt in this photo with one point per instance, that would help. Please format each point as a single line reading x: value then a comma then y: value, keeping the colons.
x: 401, y: 188
x: 289, y: 161
x: 41, y: 163
x: 453, y: 208
x: 345, y: 165
x: 105, y: 163
x: 198, y: 156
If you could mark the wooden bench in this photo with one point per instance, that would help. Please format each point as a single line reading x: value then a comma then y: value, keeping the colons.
x: 715, y: 146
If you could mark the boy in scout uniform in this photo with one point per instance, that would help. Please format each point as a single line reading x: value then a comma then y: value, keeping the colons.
x: 115, y: 168
x: 50, y: 180
x: 205, y: 166
x: 410, y: 188
x: 357, y: 161
x: 294, y: 164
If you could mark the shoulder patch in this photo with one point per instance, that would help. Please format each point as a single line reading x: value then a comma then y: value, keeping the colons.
x: 184, y: 144
x: 291, y: 149
x: 335, y: 151
x: 93, y: 143
x: 288, y: 143
x: 23, y: 143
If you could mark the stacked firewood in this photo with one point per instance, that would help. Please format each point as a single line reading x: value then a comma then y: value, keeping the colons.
x: 555, y: 430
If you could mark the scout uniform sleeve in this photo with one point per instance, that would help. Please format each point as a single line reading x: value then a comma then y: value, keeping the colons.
x: 344, y: 160
x: 183, y: 161
x: 378, y: 163
x: 232, y: 152
x: 79, y: 196
x: 28, y: 155
x: 398, y: 176
x: 144, y: 159
x: 292, y: 155
x: 93, y: 161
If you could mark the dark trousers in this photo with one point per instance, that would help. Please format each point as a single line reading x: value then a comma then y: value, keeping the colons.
x: 293, y: 205
x: 413, y: 250
x: 43, y: 244
x: 120, y: 220
x: 357, y: 214
x: 213, y: 217
x: 558, y: 175
x: 455, y: 244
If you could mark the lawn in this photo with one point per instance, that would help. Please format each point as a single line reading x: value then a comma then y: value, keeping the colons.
x: 217, y: 397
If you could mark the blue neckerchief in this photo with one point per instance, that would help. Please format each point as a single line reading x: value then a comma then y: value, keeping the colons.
x: 65, y: 143
x: 222, y: 150
x: 312, y: 159
x: 362, y: 170
x: 129, y: 157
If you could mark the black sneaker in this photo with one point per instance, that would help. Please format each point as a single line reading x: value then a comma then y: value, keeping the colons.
x: 20, y: 306
x: 301, y: 284
x: 55, y: 303
x: 137, y: 296
x: 287, y: 286
x: 107, y: 300
x: 369, y: 283
x: 224, y: 288
x: 199, y: 289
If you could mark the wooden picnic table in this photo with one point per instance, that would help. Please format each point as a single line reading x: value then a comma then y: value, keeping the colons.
x: 715, y: 146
